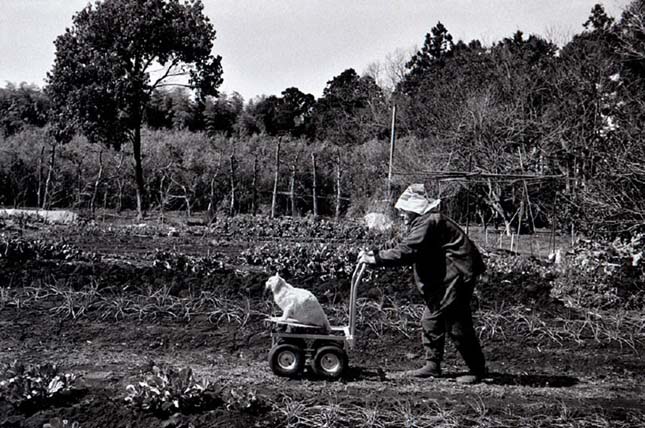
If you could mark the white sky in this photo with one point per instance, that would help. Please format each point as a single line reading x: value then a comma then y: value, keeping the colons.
x: 270, y: 45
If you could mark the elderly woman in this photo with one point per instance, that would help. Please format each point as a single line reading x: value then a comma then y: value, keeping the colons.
x: 446, y: 266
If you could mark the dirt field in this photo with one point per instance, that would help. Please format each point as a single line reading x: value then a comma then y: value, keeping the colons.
x: 541, y: 373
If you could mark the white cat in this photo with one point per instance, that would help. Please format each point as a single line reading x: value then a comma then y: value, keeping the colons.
x: 297, y: 303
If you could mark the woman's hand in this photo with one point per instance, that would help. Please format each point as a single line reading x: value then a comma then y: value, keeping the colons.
x: 366, y: 257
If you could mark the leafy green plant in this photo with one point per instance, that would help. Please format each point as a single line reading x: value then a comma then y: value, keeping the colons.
x: 178, y: 262
x: 604, y: 274
x: 61, y: 423
x: 304, y: 228
x: 298, y: 259
x: 15, y: 250
x: 23, y: 385
x: 245, y: 400
x: 166, y: 390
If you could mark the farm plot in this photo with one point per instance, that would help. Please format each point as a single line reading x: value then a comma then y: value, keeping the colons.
x: 132, y: 325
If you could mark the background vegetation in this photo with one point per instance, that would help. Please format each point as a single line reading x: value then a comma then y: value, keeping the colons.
x: 524, y: 133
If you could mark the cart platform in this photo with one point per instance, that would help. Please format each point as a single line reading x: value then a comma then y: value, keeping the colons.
x: 296, y: 345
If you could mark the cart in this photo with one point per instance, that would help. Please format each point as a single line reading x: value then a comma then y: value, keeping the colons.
x: 295, y: 346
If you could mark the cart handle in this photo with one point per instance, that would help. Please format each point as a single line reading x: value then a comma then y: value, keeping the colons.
x: 356, y: 280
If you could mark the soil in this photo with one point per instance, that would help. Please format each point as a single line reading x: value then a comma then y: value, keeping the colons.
x: 529, y: 378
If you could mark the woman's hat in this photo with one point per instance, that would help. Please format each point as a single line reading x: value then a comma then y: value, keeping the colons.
x: 414, y: 199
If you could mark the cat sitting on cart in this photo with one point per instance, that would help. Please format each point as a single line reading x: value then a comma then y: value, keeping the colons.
x: 303, y: 336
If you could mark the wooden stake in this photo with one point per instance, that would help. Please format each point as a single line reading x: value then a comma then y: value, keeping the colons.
x: 97, y: 183
x: 275, y: 179
x: 211, y: 197
x: 232, y: 179
x: 338, y: 178
x: 470, y: 168
x: 40, y: 176
x: 50, y: 172
x: 254, y: 199
x: 392, y: 141
x: 292, y: 187
x: 105, y: 198
x: 314, y: 195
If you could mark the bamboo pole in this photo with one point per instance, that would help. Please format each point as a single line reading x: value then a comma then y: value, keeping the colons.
x: 526, y: 192
x: 315, y: 186
x: 50, y: 172
x: 553, y: 220
x: 40, y: 176
x: 292, y: 188
x: 210, y: 211
x: 519, y: 221
x: 105, y: 198
x: 211, y: 198
x: 254, y: 184
x: 392, y: 142
x: 232, y: 180
x: 97, y: 183
x: 338, y: 182
x: 470, y: 168
x: 275, y: 180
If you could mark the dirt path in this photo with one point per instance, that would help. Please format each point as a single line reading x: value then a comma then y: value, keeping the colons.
x: 533, y: 381
x: 525, y: 382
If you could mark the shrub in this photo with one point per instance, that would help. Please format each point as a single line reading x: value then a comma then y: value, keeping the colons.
x: 24, y: 386
x: 166, y: 390
x: 604, y: 274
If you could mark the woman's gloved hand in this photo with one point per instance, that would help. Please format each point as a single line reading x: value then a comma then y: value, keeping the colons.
x: 366, y: 257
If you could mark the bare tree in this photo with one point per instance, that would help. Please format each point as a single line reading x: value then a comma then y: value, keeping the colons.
x: 387, y: 73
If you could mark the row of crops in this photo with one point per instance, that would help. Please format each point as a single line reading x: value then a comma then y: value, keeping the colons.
x: 592, y: 274
x: 249, y: 227
x: 158, y: 389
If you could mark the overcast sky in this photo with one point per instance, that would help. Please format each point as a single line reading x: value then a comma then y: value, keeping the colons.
x: 270, y: 45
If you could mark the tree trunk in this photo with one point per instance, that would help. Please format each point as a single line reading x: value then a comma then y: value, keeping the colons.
x: 40, y: 176
x: 526, y: 194
x: 79, y: 184
x: 392, y: 143
x: 519, y: 219
x: 493, y: 198
x: 274, y: 198
x: 254, y: 183
x: 162, y: 199
x: 482, y: 218
x: 97, y: 183
x: 50, y: 172
x: 314, y: 185
x: 105, y: 198
x: 232, y: 179
x: 138, y: 173
x: 338, y: 191
x: 119, y: 202
x: 211, y: 201
x: 292, y: 187
x: 187, y: 201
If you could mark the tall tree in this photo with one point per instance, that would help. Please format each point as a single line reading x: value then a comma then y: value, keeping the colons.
x: 221, y: 113
x: 391, y: 70
x: 103, y: 73
x: 289, y: 114
x: 605, y: 149
x: 294, y: 112
x: 351, y: 111
x: 437, y: 47
x: 22, y: 106
x: 631, y: 33
x: 582, y: 90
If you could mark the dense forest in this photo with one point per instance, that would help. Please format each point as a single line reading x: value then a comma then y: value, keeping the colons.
x: 523, y: 133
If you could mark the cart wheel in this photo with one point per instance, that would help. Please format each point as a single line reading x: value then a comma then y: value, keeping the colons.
x: 330, y: 362
x: 287, y: 360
